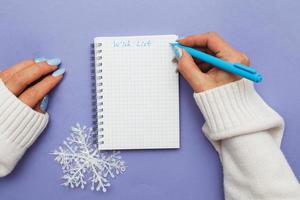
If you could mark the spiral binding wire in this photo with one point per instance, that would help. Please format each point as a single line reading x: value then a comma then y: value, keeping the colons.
x: 97, y: 91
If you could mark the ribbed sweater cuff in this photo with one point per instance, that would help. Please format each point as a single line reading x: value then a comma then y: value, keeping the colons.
x: 19, y: 127
x: 236, y: 109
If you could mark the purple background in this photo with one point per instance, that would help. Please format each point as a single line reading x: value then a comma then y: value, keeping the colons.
x: 268, y: 31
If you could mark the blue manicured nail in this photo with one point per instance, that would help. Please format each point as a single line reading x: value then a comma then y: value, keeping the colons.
x: 54, y: 61
x: 58, y: 72
x: 44, y: 104
x: 178, y: 52
x: 40, y: 59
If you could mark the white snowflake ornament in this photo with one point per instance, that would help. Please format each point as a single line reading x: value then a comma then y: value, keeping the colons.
x: 81, y: 161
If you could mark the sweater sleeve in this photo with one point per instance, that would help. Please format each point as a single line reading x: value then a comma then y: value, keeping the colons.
x: 247, y: 134
x: 19, y: 127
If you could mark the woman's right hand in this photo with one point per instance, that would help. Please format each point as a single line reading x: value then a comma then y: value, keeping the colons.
x: 31, y: 81
x: 202, y: 76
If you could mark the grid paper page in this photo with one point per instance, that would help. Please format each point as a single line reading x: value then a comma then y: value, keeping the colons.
x: 140, y: 94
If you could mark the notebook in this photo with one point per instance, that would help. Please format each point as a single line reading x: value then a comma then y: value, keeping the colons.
x: 137, y: 92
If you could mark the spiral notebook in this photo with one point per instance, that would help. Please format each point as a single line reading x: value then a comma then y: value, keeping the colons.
x: 137, y: 92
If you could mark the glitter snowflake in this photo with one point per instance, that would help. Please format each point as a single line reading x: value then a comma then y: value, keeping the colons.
x: 81, y: 161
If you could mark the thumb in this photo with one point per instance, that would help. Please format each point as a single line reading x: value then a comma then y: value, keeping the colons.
x: 189, y: 70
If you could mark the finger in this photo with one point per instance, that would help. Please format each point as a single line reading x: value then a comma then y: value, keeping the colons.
x: 189, y: 70
x: 35, y: 93
x: 9, y: 72
x: 42, y: 105
x: 211, y: 40
x: 20, y: 80
x: 38, y: 108
x: 215, y: 44
x: 234, y: 57
x: 205, y: 50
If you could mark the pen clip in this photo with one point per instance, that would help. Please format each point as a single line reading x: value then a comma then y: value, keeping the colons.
x: 245, y: 68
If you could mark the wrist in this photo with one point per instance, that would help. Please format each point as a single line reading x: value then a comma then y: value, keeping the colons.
x: 234, y: 109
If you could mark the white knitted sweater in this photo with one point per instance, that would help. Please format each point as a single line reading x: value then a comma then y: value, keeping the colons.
x: 19, y: 128
x: 247, y: 134
x: 244, y: 130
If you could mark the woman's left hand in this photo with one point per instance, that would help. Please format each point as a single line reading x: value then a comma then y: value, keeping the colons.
x: 31, y: 81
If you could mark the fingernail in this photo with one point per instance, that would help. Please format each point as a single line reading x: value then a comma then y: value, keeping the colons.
x: 58, y: 72
x: 178, y: 52
x: 54, y: 61
x: 40, y: 59
x: 44, y: 104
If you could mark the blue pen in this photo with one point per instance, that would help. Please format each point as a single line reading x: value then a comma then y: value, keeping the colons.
x: 235, y: 68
